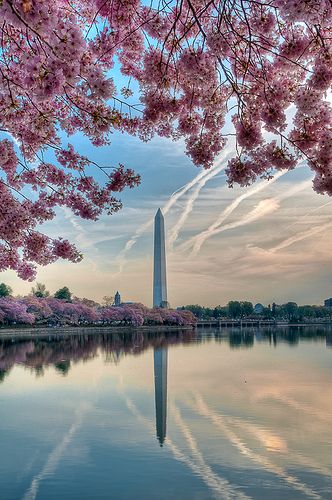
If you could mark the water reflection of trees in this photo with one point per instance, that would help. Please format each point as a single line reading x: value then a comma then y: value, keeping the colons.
x: 246, y: 337
x: 65, y: 351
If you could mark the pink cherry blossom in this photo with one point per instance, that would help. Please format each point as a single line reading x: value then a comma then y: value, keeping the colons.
x: 14, y: 311
x: 198, y: 66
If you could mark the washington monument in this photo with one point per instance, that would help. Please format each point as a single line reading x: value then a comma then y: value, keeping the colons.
x: 159, y: 267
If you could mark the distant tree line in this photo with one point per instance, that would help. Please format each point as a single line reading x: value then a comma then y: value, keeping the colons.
x: 39, y: 307
x: 65, y: 308
x: 243, y: 309
x: 234, y: 309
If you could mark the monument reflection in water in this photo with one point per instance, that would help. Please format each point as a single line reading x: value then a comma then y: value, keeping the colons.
x: 160, y: 387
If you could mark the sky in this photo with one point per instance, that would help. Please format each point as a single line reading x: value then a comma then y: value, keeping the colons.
x: 267, y: 242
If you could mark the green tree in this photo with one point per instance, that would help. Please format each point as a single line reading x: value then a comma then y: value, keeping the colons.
x: 40, y: 291
x: 63, y: 294
x: 197, y: 310
x: 291, y: 311
x: 321, y: 311
x: 5, y: 290
x: 234, y: 309
x: 246, y: 308
x: 220, y: 312
x: 267, y: 313
x: 208, y: 312
x: 306, y: 312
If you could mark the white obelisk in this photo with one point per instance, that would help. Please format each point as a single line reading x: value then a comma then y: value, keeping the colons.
x: 159, y: 267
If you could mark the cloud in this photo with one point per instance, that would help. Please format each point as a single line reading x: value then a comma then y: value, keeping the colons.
x: 173, y: 199
x: 198, y: 240
x: 310, y: 212
x: 300, y: 236
x: 263, y: 208
x: 121, y: 257
x: 174, y: 233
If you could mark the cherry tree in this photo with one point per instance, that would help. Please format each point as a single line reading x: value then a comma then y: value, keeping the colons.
x: 86, y: 313
x: 153, y: 317
x: 187, y: 317
x: 14, y: 311
x: 62, y: 312
x: 133, y: 315
x: 191, y: 68
x: 41, y: 310
x: 38, y: 307
x: 112, y: 314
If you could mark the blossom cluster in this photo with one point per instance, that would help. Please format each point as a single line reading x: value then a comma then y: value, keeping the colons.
x: 193, y: 62
x: 58, y: 312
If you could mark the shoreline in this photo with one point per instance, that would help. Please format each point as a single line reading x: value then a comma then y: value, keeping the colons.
x: 257, y: 324
x: 62, y: 331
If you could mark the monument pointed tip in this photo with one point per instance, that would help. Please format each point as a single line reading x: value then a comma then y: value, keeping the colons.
x: 159, y: 212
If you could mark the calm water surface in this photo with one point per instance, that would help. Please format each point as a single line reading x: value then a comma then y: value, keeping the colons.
x: 180, y: 415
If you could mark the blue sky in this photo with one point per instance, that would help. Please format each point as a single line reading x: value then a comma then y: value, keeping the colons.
x: 268, y: 242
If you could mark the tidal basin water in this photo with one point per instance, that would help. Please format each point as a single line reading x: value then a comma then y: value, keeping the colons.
x: 175, y: 415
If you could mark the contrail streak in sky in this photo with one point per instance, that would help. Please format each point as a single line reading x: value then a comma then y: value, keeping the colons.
x: 263, y: 208
x: 313, y: 210
x: 191, y: 201
x: 300, y: 236
x: 175, y: 196
x: 197, y: 241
